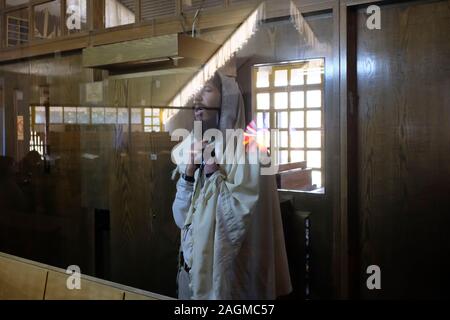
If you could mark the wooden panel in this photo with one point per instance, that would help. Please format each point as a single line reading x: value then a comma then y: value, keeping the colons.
x: 57, y: 289
x: 135, y: 296
x: 20, y: 281
x: 403, y: 149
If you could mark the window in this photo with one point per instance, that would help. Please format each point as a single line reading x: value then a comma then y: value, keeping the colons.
x: 17, y: 27
x: 75, y: 16
x: 47, y: 20
x: 119, y: 12
x: 289, y: 97
x: 152, y: 120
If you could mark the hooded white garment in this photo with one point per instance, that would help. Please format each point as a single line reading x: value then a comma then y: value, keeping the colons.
x: 232, y: 234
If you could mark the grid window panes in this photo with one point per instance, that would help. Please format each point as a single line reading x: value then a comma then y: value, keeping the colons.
x: 17, y: 26
x: 152, y: 120
x: 289, y: 97
x: 119, y: 12
x: 47, y: 20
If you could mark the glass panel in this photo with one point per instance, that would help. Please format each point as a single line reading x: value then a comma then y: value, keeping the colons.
x: 262, y: 77
x: 283, y: 156
x: 110, y: 115
x: 281, y: 78
x: 297, y: 139
x: 263, y: 138
x: 83, y: 115
x: 314, y: 139
x: 76, y: 16
x: 314, y: 159
x: 118, y: 13
x: 283, y: 141
x: 136, y: 116
x: 314, y: 99
x: 148, y: 121
x: 314, y: 119
x: 122, y: 114
x: 297, y: 77
x: 314, y: 77
x: 317, y: 178
x: 297, y: 99
x: 156, y: 121
x: 47, y: 20
x: 297, y: 119
x: 56, y: 115
x: 148, y: 112
x: 70, y: 115
x: 282, y: 120
x: 263, y: 120
x: 98, y: 115
x: 40, y: 115
x: 156, y: 112
x: 281, y: 100
x: 263, y: 101
x: 297, y: 156
x: 17, y: 27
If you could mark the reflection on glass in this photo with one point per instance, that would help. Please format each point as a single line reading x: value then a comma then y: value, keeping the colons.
x: 136, y: 116
x: 70, y: 115
x: 118, y: 14
x: 262, y: 78
x: 314, y: 119
x: 297, y: 156
x: 281, y: 78
x: 297, y: 99
x: 314, y: 139
x: 297, y: 139
x: 122, y: 115
x: 98, y: 115
x: 281, y: 100
x: 17, y: 27
x: 263, y: 101
x: 75, y: 18
x: 56, y: 115
x: 314, y: 99
x: 297, y: 77
x: 148, y: 121
x: 83, y: 115
x: 314, y: 159
x: 47, y: 20
x: 110, y: 115
x: 282, y: 120
x: 297, y: 119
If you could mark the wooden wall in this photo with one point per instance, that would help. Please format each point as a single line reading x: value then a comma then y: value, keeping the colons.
x: 403, y: 149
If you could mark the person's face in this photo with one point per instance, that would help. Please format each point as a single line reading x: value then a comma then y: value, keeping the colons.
x: 207, y: 105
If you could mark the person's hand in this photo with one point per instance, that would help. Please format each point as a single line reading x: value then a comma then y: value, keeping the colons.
x: 195, y: 158
x: 211, y: 168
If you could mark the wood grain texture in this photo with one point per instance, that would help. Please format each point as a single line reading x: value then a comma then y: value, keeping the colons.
x: 403, y: 158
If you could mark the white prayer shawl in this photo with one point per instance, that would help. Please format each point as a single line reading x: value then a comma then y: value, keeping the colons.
x: 238, y: 249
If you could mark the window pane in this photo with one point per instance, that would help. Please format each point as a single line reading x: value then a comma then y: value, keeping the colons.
x: 98, y: 115
x: 283, y: 141
x: 297, y: 99
x: 263, y: 120
x: 70, y: 115
x: 314, y: 139
x: 156, y: 112
x: 47, y: 20
x: 110, y: 115
x: 297, y: 77
x: 263, y: 101
x: 281, y: 78
x: 56, y: 114
x: 122, y: 115
x: 148, y: 121
x: 156, y: 121
x: 314, y: 159
x: 314, y: 77
x: 263, y: 138
x: 147, y: 129
x: 282, y: 120
x: 314, y: 119
x: 17, y: 27
x: 136, y: 116
x: 317, y: 178
x: 283, y: 157
x: 281, y: 100
x: 297, y: 119
x: 156, y: 129
x: 297, y: 139
x: 40, y: 115
x: 83, y: 115
x: 262, y: 78
x: 148, y: 112
x: 297, y: 156
x: 76, y: 18
x: 314, y: 99
x: 118, y: 14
